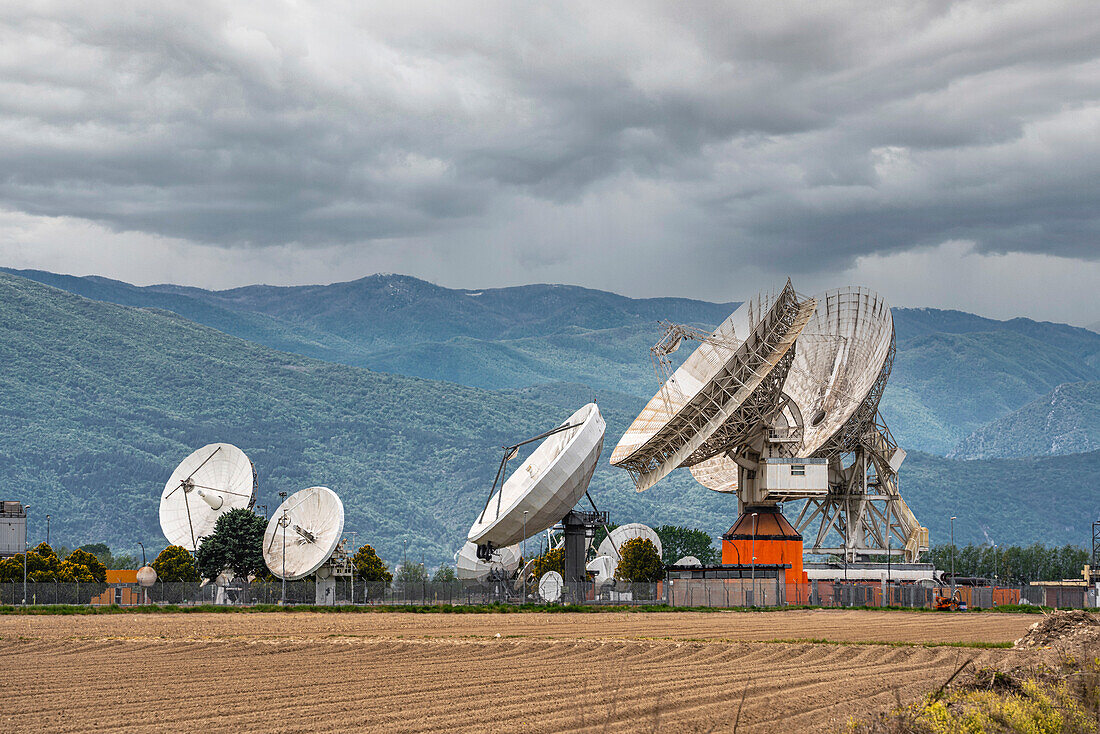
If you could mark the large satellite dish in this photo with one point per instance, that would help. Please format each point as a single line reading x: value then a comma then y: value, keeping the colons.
x: 468, y: 567
x: 721, y: 393
x: 838, y: 360
x: 614, y: 541
x: 210, y: 482
x: 303, y: 533
x: 546, y: 486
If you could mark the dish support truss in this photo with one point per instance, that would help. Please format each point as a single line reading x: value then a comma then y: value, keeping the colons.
x: 737, y: 402
x: 864, y: 506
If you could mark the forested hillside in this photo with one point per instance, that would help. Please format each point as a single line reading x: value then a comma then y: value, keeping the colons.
x: 1065, y: 421
x: 102, y: 401
x: 955, y: 372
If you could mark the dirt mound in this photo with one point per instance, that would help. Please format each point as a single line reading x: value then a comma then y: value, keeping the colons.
x: 1072, y: 627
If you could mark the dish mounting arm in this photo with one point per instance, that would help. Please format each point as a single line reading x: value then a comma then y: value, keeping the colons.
x: 510, y: 453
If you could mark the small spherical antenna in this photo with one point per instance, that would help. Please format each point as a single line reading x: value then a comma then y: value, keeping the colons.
x: 550, y: 586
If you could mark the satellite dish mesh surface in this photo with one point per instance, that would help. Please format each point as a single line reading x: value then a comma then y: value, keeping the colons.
x: 837, y: 362
x: 210, y: 482
x: 716, y: 398
x: 310, y: 533
x: 546, y: 486
x: 610, y: 545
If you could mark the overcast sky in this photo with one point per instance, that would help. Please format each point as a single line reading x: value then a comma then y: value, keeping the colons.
x: 946, y: 154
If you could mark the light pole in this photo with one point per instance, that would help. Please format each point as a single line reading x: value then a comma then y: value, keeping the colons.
x: 47, y: 529
x: 524, y: 556
x: 889, y: 553
x: 953, y: 518
x: 282, y: 501
x: 26, y: 550
x: 753, y: 573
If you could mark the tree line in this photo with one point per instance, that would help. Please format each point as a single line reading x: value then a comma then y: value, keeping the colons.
x: 1012, y: 564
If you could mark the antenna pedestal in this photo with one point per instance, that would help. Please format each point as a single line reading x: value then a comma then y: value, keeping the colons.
x: 580, y: 528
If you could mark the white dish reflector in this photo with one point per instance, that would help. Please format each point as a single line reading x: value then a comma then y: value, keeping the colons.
x: 210, y: 482
x: 550, y: 586
x: 708, y: 404
x: 546, y: 486
x: 837, y: 361
x: 307, y: 538
x: 468, y: 567
x: 603, y: 567
x: 611, y: 544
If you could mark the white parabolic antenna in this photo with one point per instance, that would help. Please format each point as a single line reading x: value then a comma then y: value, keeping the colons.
x: 550, y: 586
x: 611, y: 545
x: 603, y: 567
x: 546, y: 486
x: 210, y: 482
x: 718, y: 396
x: 304, y: 531
x: 838, y: 359
x: 468, y: 567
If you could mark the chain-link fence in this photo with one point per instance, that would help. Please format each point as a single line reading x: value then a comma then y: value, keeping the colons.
x: 676, y: 592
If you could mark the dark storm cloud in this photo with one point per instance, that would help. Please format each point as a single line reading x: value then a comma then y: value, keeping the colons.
x: 810, y: 135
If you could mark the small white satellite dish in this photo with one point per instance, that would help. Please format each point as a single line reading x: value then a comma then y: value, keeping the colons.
x: 603, y: 567
x: 468, y: 567
x: 546, y: 486
x: 688, y: 562
x: 210, y: 482
x: 303, y: 533
x: 611, y: 544
x: 550, y: 586
x: 146, y: 576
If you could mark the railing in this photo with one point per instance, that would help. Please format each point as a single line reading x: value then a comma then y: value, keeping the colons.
x: 674, y: 592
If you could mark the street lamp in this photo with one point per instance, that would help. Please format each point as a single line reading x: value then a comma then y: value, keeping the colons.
x: 282, y: 501
x: 26, y: 550
x: 754, y: 559
x: 953, y: 518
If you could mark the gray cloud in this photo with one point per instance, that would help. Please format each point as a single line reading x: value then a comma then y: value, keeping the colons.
x: 780, y: 138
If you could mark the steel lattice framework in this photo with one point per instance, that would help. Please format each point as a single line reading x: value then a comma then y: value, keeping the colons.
x: 864, y: 506
x: 741, y: 397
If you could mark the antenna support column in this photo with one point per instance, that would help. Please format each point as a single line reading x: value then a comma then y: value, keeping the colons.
x: 580, y: 526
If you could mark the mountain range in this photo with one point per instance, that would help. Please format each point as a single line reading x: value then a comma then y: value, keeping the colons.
x: 954, y: 373
x: 108, y: 390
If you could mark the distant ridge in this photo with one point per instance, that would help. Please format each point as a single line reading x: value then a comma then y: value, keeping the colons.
x: 1065, y: 421
x: 955, y: 372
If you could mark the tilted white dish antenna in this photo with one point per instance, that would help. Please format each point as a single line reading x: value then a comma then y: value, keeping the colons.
x: 550, y: 586
x: 717, y: 397
x: 546, y: 486
x: 688, y: 562
x: 603, y: 567
x: 837, y: 362
x: 210, y: 482
x: 613, y: 543
x: 468, y: 567
x: 305, y: 531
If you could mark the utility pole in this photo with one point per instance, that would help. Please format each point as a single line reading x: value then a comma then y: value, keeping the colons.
x: 753, y: 572
x: 47, y: 529
x: 282, y: 501
x: 26, y: 550
x: 953, y: 518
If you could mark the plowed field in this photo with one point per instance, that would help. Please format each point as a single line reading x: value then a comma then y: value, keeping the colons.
x: 544, y: 673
